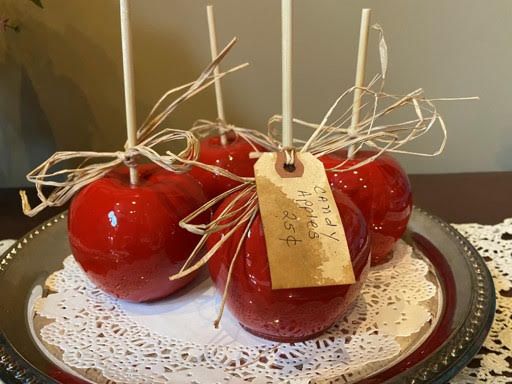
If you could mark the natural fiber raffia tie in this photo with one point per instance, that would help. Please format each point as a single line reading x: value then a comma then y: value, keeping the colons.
x: 84, y: 174
x: 94, y: 165
x: 332, y: 134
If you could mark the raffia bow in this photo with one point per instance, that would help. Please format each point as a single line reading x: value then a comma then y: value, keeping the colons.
x: 94, y: 165
x: 331, y: 135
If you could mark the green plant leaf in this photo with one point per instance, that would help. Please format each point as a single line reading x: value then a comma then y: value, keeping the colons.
x: 39, y: 3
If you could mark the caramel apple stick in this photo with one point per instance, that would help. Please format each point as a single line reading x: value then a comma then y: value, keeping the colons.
x: 129, y: 93
x: 218, y: 87
x: 287, y: 33
x: 360, y: 71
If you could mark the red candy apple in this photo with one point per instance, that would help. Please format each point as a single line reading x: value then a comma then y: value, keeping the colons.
x: 127, y: 238
x: 234, y: 157
x: 382, y: 192
x: 287, y: 315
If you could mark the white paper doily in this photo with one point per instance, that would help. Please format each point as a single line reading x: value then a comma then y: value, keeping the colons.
x: 5, y: 245
x: 494, y: 362
x: 174, y: 341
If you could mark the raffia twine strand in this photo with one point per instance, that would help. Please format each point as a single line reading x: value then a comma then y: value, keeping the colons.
x: 217, y: 170
x: 327, y: 139
x: 216, y: 322
x: 205, y: 229
x: 331, y: 144
x: 248, y: 213
x: 391, y: 139
x: 77, y: 177
x: 381, y: 134
x: 383, y: 50
x: 152, y: 115
x: 205, y: 79
x: 204, y: 128
x: 201, y: 229
x: 289, y: 156
x: 170, y: 161
x: 155, y: 121
x: 229, y: 212
x: 340, y: 167
x: 242, y: 215
x: 234, y: 225
x: 237, y: 223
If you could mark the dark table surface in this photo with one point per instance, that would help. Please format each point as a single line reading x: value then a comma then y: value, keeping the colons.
x: 484, y: 198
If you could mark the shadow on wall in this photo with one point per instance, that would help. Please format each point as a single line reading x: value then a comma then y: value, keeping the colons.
x: 25, y: 136
x: 61, y: 80
x: 42, y: 110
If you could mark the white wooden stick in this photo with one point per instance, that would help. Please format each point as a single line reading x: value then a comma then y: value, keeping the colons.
x: 360, y: 72
x: 287, y: 33
x: 129, y: 95
x: 218, y: 88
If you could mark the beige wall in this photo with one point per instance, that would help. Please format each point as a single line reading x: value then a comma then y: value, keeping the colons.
x: 60, y: 77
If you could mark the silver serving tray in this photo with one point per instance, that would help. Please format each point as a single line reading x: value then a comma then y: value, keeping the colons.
x: 464, y: 321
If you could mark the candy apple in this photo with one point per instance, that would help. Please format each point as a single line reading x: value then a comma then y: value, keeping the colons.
x: 287, y: 315
x: 127, y: 238
x: 234, y: 157
x: 382, y: 192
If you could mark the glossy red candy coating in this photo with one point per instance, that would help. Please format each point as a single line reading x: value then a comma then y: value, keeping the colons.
x: 286, y: 315
x: 127, y: 238
x: 234, y: 157
x: 382, y: 191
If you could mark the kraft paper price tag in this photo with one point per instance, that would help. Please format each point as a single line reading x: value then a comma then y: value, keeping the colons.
x: 305, y: 239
